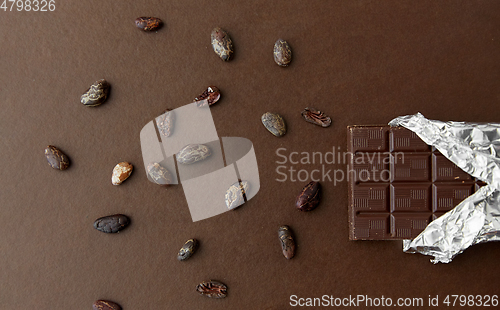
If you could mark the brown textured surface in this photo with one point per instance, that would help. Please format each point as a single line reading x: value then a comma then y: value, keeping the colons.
x: 363, y: 62
x: 399, y: 184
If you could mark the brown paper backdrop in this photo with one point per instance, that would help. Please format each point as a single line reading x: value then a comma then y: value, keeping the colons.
x: 362, y: 62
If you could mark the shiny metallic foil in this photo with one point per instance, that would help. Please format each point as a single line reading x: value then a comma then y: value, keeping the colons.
x: 476, y: 149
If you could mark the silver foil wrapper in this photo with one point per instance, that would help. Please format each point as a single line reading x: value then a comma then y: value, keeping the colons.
x: 476, y: 149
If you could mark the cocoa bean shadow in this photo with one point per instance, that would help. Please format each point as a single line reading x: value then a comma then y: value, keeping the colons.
x: 233, y: 55
x: 297, y: 245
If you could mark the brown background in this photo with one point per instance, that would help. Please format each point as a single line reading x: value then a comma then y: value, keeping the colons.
x: 362, y: 62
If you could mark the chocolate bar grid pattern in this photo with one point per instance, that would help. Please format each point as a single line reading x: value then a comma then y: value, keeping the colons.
x: 420, y: 183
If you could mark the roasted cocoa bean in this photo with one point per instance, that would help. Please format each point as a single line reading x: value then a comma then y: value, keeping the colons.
x: 316, y: 117
x: 111, y: 223
x: 282, y: 53
x: 56, y: 158
x: 121, y: 172
x: 210, y: 96
x: 148, y: 23
x: 309, y: 197
x: 96, y: 94
x: 212, y: 289
x: 235, y: 194
x: 192, y: 153
x: 105, y: 305
x: 159, y: 174
x: 165, y: 123
x: 222, y: 44
x: 187, y: 249
x: 274, y: 123
x: 287, y: 243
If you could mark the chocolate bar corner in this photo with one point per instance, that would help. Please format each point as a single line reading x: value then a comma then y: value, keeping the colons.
x: 398, y: 184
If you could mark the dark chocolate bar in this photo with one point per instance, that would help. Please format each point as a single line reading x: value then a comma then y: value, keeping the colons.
x: 398, y: 184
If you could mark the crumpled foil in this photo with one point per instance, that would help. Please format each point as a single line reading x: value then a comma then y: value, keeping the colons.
x: 475, y: 148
